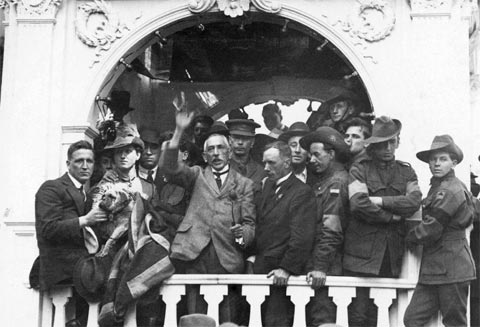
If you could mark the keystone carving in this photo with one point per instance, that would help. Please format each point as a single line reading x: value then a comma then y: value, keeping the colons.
x: 234, y: 8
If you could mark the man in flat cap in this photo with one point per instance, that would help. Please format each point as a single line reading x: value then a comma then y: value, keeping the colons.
x: 272, y: 117
x: 328, y: 154
x: 447, y: 263
x: 383, y: 192
x: 242, y: 139
x: 300, y: 156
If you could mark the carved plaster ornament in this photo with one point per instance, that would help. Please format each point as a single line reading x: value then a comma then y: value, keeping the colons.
x: 98, y: 27
x: 27, y: 9
x: 373, y: 21
x: 429, y: 4
x: 234, y: 8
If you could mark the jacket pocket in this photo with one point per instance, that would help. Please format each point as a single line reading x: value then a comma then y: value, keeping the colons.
x: 359, y: 240
x: 459, y: 260
x: 433, y: 261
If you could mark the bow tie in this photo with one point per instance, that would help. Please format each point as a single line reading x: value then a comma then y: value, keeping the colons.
x: 220, y: 174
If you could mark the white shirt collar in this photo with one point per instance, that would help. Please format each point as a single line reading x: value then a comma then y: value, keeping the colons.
x: 284, y: 178
x: 143, y: 172
x: 74, y: 181
x: 224, y: 176
x: 302, y: 175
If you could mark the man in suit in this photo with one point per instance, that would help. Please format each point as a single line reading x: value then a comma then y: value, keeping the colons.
x: 300, y: 156
x: 62, y: 217
x: 286, y: 213
x: 382, y: 192
x: 220, y: 219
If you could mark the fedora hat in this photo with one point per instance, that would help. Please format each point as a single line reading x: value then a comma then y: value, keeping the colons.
x: 126, y: 135
x: 384, y: 129
x: 90, y: 276
x: 441, y: 143
x: 326, y: 135
x: 196, y: 320
x: 243, y: 127
x: 298, y: 128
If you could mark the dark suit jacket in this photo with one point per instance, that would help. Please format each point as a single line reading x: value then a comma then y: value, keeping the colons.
x: 58, y: 204
x: 285, y: 227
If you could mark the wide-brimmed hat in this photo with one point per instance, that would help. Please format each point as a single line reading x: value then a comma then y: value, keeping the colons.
x: 218, y: 127
x: 384, y: 129
x: 326, y: 135
x: 298, y: 128
x: 338, y: 93
x: 197, y: 320
x: 126, y: 135
x: 90, y: 276
x: 243, y: 127
x: 441, y: 143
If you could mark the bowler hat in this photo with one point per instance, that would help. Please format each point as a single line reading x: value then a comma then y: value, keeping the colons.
x: 196, y: 320
x: 298, y: 128
x: 150, y: 135
x: 441, y: 143
x: 218, y: 127
x: 384, y: 129
x: 126, y: 135
x: 326, y: 135
x: 337, y: 94
x: 203, y: 119
x: 244, y: 127
x: 90, y: 276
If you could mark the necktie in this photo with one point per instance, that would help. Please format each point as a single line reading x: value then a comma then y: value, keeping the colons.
x: 83, y: 193
x: 150, y: 176
x: 218, y: 179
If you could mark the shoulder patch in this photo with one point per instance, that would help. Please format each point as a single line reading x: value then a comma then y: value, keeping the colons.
x: 334, y: 191
x: 404, y: 163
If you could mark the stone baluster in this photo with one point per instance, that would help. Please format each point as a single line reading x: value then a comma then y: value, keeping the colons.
x: 60, y: 298
x: 46, y: 309
x: 255, y: 295
x: 383, y: 298
x: 300, y: 296
x: 342, y: 296
x: 93, y: 314
x: 213, y: 294
x: 171, y: 295
x: 131, y: 316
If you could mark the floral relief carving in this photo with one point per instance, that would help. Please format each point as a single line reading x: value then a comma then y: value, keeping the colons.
x: 36, y: 8
x: 98, y: 27
x: 426, y: 7
x: 371, y: 21
x: 234, y: 8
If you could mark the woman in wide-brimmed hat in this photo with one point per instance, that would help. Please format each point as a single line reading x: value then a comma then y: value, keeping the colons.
x: 447, y: 264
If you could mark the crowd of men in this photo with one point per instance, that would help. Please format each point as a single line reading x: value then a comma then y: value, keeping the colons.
x: 327, y: 198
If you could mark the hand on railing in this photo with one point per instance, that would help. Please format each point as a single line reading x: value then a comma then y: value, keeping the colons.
x: 316, y: 279
x: 280, y: 276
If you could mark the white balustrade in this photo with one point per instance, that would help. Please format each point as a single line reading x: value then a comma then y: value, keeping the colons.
x: 391, y: 296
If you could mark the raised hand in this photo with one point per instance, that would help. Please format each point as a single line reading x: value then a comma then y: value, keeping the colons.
x: 183, y: 119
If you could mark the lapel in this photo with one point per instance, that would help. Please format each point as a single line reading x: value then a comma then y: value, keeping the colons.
x: 210, y: 180
x: 284, y: 189
x: 230, y: 182
x: 74, y: 193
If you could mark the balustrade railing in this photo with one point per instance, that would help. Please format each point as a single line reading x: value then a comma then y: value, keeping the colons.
x: 391, y: 296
